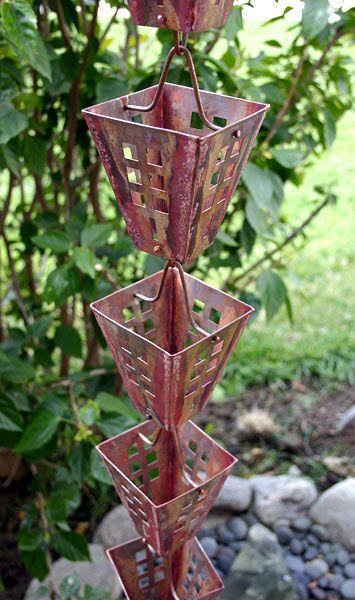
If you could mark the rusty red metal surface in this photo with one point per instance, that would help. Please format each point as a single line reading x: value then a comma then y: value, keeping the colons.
x: 173, y: 178
x: 181, y: 15
x: 151, y: 474
x: 145, y: 575
x: 168, y: 368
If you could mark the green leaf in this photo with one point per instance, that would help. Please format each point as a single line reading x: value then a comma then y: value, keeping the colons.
x: 12, y: 122
x: 35, y: 563
x: 10, y: 159
x: 272, y: 291
x: 89, y: 413
x: 287, y: 157
x: 113, y: 404
x: 85, y: 261
x: 20, y: 28
x: 247, y: 236
x: 259, y: 183
x: 10, y: 419
x: 61, y: 283
x: 15, y: 370
x: 97, y: 468
x: 38, y: 432
x: 256, y: 217
x: 57, y: 241
x: 314, y: 17
x: 110, y: 87
x: 68, y: 340
x: 329, y: 129
x: 95, y: 235
x: 226, y: 239
x: 39, y: 328
x: 34, y: 151
x: 153, y: 264
x: 71, y: 545
x: 29, y: 539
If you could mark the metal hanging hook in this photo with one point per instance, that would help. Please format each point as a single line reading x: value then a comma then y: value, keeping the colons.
x: 175, y: 263
x: 178, y: 48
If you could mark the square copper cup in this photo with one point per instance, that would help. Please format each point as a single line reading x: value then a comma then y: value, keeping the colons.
x: 152, y: 483
x: 172, y: 176
x: 146, y: 576
x: 181, y: 15
x: 169, y: 369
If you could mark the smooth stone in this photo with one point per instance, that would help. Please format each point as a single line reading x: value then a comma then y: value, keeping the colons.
x: 318, y: 593
x: 250, y: 519
x: 324, y: 582
x: 235, y: 495
x: 338, y: 569
x: 225, y: 551
x: 301, y: 523
x: 320, y: 532
x: 301, y: 591
x: 294, y: 563
x: 115, y: 528
x: 224, y: 535
x: 282, y: 523
x: 237, y: 546
x: 284, y: 535
x: 312, y: 539
x: 335, y: 509
x: 98, y: 573
x: 258, y: 571
x: 225, y: 563
x: 311, y: 553
x: 282, y: 496
x: 352, y: 556
x: 335, y: 582
x: 317, y: 567
x: 325, y: 548
x: 239, y: 528
x: 210, y: 546
x: 347, y: 589
x: 349, y: 570
x: 330, y: 557
x: 296, y: 546
x: 343, y: 557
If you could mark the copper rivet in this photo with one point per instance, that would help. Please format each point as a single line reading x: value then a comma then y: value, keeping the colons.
x: 160, y: 19
x: 157, y: 248
x: 236, y: 133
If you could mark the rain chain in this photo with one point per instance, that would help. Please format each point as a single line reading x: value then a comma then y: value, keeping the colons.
x: 174, y: 156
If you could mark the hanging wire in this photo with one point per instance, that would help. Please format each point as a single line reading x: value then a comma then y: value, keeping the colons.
x: 178, y: 49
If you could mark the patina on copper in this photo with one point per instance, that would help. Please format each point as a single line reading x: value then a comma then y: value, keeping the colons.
x: 145, y: 575
x: 168, y: 367
x: 172, y: 176
x: 181, y: 15
x: 149, y: 478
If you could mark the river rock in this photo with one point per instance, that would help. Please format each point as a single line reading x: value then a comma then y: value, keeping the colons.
x: 235, y: 495
x: 115, y: 528
x: 335, y: 509
x: 259, y: 571
x: 98, y: 573
x: 282, y: 496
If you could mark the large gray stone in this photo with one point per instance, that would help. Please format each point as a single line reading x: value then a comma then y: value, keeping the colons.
x: 115, y: 528
x: 235, y: 495
x: 258, y: 571
x: 99, y: 573
x: 282, y: 496
x: 335, y: 509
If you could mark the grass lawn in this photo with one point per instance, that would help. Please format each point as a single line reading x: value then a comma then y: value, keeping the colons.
x: 321, y: 341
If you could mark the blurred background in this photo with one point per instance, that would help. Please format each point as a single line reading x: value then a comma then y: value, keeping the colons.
x: 286, y: 247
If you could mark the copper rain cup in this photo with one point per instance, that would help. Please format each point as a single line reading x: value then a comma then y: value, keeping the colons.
x: 152, y: 470
x: 168, y: 368
x: 146, y: 576
x: 181, y: 15
x: 172, y: 176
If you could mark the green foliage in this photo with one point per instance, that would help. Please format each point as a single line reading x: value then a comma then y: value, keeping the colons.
x: 63, y: 243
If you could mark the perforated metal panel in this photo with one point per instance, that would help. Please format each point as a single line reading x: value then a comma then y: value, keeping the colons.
x: 169, y: 369
x: 150, y: 480
x: 181, y: 15
x: 173, y: 178
x: 146, y: 576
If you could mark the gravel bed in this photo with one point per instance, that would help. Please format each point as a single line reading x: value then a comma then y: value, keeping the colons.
x: 320, y: 569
